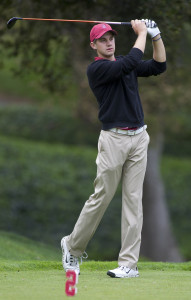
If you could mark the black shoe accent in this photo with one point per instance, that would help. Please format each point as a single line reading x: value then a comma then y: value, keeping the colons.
x: 111, y: 274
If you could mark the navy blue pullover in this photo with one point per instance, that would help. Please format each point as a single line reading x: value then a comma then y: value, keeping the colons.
x: 114, y: 84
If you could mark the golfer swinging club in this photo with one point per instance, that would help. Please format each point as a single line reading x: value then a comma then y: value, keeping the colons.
x: 122, y: 144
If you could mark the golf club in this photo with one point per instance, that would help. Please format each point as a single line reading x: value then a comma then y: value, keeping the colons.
x: 13, y: 20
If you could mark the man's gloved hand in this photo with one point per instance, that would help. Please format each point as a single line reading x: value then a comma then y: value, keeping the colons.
x: 152, y: 28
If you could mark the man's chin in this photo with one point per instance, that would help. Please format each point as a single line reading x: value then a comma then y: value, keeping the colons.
x: 109, y: 55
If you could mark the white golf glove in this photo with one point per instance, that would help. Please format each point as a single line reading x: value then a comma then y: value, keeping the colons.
x: 152, y: 28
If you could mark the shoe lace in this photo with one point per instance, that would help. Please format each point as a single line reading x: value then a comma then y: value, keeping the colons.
x: 73, y: 260
x: 84, y: 256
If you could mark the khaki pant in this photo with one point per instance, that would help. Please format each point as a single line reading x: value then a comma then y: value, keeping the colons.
x: 119, y: 157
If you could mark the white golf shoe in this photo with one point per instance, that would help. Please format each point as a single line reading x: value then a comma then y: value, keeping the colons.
x: 69, y: 261
x: 123, y: 272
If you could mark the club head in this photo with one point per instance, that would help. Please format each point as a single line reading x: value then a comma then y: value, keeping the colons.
x: 12, y: 22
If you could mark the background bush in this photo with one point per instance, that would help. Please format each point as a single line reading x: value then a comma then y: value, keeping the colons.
x: 46, y: 124
x: 58, y: 126
x: 177, y: 177
x: 38, y: 198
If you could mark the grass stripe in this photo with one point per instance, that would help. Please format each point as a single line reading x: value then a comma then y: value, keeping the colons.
x: 89, y: 266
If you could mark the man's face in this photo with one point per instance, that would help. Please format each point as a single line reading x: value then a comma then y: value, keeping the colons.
x: 105, y: 46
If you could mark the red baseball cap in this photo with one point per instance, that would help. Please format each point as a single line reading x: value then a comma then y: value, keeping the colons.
x: 99, y: 30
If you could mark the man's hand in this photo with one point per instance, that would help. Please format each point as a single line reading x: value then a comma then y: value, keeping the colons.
x: 139, y: 27
x: 152, y: 28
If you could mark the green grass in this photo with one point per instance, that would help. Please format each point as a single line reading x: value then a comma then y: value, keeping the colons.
x: 32, y: 265
x: 15, y: 247
x: 26, y: 272
x: 46, y: 280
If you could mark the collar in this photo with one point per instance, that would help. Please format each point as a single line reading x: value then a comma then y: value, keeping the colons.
x: 99, y: 58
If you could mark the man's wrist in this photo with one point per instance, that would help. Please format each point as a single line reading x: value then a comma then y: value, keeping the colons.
x: 156, y: 37
x: 142, y: 33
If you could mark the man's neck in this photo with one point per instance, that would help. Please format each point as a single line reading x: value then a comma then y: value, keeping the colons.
x: 112, y: 58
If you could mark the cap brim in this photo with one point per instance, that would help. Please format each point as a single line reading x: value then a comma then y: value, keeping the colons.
x: 101, y: 34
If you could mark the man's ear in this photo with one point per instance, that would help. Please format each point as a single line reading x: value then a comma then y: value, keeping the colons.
x: 93, y: 45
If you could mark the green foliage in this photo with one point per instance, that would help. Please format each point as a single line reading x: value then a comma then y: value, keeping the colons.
x: 172, y: 147
x: 46, y: 124
x: 43, y: 189
x: 37, y: 187
x: 42, y: 47
x: 50, y: 48
x: 28, y: 87
x: 177, y: 177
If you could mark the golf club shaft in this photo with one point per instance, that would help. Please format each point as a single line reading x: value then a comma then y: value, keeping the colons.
x: 80, y: 21
x: 13, y: 20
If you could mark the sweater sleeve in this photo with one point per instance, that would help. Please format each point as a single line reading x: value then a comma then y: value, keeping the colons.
x: 103, y: 71
x: 150, y: 67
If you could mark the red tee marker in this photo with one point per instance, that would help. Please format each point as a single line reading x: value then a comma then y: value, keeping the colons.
x: 70, y: 287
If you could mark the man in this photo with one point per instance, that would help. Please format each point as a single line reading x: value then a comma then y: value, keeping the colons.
x: 122, y: 145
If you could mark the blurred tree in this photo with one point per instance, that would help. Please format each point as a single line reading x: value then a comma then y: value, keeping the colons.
x: 60, y: 54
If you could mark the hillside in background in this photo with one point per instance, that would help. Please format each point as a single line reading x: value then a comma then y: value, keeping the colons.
x: 16, y: 247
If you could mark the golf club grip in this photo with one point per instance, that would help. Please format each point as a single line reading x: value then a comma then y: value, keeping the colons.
x: 126, y: 23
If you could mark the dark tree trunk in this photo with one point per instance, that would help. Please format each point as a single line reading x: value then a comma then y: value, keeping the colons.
x: 158, y: 242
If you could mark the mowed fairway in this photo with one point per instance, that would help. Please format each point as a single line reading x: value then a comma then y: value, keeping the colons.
x: 46, y: 280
